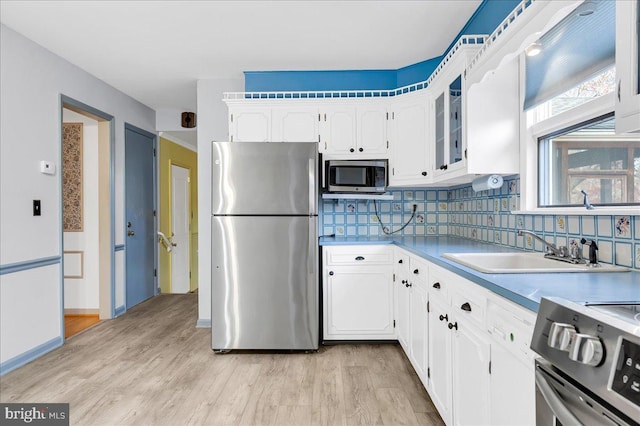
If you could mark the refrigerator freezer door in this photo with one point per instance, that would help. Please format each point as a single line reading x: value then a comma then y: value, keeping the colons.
x: 264, y: 291
x: 264, y: 178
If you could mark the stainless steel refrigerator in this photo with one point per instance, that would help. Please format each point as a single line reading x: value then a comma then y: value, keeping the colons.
x: 264, y: 289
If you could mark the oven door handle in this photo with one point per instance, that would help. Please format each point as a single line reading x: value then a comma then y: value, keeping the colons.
x: 562, y: 413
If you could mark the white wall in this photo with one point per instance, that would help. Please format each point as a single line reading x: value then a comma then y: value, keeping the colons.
x: 83, y: 293
x: 32, y: 80
x: 212, y: 126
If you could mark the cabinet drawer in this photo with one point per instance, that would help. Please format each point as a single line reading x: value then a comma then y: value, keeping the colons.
x: 511, y: 325
x: 358, y: 255
x: 438, y: 283
x: 401, y: 261
x: 469, y: 303
x: 418, y: 272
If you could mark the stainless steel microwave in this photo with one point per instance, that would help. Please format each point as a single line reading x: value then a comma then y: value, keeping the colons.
x: 364, y: 176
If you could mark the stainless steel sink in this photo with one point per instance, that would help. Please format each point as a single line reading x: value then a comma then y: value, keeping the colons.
x: 518, y: 263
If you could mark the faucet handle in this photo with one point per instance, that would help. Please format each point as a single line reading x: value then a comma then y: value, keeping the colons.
x: 564, y: 251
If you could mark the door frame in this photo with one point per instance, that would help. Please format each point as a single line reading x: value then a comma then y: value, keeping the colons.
x: 170, y: 202
x: 82, y: 108
x: 154, y: 137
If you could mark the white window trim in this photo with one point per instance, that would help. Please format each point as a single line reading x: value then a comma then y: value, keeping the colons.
x: 529, y: 158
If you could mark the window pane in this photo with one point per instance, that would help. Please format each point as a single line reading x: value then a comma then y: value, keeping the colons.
x: 593, y: 159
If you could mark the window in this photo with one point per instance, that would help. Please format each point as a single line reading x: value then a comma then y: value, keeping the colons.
x: 589, y: 157
x: 600, y: 85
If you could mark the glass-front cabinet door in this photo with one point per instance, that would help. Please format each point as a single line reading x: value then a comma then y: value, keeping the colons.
x: 627, y: 54
x: 439, y: 129
x: 448, y: 114
x: 455, y: 121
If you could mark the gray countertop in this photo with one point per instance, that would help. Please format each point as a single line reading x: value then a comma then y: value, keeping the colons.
x: 523, y: 289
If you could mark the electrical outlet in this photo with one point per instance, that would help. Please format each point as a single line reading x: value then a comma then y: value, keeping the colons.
x: 36, y: 208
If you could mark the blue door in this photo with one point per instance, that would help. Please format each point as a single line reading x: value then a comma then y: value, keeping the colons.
x: 139, y: 215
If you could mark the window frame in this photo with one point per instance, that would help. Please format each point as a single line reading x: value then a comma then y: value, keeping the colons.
x: 529, y: 154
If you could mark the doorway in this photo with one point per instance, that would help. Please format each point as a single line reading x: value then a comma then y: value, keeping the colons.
x: 140, y: 215
x: 180, y: 229
x: 87, y: 229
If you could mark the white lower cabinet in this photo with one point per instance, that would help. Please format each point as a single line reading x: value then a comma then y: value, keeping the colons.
x: 471, y: 363
x: 512, y: 389
x: 358, y: 294
x: 440, y: 378
x: 411, y: 309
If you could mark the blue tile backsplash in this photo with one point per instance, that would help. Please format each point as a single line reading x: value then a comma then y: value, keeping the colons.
x: 483, y: 216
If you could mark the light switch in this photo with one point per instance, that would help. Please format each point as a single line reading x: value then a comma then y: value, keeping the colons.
x: 36, y: 208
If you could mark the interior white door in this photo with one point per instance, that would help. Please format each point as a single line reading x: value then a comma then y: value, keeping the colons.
x: 180, y: 229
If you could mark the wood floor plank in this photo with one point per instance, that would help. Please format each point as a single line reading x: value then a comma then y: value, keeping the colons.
x: 395, y: 407
x: 151, y: 366
x: 361, y: 405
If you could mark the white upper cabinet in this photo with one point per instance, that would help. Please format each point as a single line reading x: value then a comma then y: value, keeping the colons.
x: 409, y: 140
x: 475, y: 127
x: 627, y: 53
x: 372, y: 130
x: 295, y: 124
x: 338, y: 130
x: 249, y: 124
x: 354, y: 130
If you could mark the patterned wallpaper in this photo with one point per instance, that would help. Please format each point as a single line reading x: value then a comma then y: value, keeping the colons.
x: 484, y: 216
x: 72, y: 218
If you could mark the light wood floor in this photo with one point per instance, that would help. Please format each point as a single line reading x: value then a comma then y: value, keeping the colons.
x: 74, y: 324
x: 152, y: 366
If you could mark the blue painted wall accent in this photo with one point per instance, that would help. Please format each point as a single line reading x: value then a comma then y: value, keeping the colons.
x: 30, y: 355
x: 301, y: 81
x: 417, y: 72
x: 484, y: 21
x: 486, y: 18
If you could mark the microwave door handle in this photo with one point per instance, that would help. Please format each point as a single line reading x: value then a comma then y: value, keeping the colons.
x: 551, y: 397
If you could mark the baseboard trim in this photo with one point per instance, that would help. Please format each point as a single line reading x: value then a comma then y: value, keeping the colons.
x: 120, y: 310
x: 80, y: 311
x: 203, y: 323
x: 30, y: 355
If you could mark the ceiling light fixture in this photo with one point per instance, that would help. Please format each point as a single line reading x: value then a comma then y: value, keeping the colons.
x: 533, y: 49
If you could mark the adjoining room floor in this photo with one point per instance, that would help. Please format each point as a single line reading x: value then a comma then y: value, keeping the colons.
x: 74, y: 324
x: 152, y: 366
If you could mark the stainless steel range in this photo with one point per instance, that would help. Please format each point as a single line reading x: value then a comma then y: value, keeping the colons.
x: 590, y: 371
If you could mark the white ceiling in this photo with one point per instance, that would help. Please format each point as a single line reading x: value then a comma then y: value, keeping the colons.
x: 155, y: 51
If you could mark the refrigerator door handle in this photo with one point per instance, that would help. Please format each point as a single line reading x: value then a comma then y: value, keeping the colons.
x: 310, y: 249
x: 312, y: 186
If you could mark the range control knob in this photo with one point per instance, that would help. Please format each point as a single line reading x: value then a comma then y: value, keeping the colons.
x: 560, y: 336
x: 586, y: 350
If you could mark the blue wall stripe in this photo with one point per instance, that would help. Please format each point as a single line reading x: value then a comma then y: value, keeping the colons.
x: 29, y: 264
x: 417, y: 72
x: 30, y: 355
x: 120, y: 310
x: 291, y: 81
x: 119, y: 247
